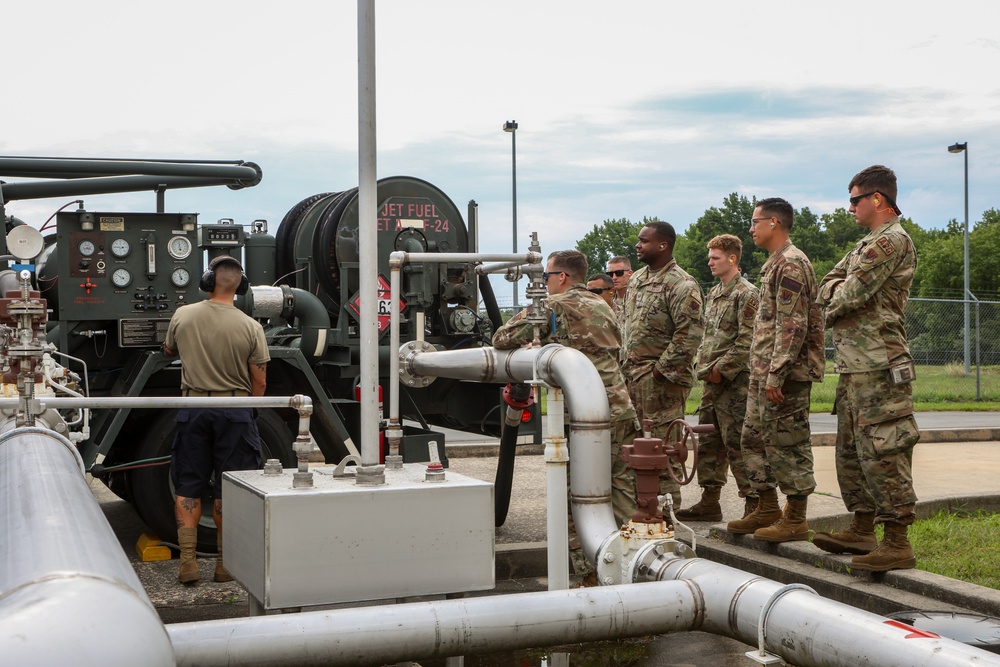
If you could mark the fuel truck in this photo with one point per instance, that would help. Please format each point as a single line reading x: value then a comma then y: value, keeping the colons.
x: 104, y: 285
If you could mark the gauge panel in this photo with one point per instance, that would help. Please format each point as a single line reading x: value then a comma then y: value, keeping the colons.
x: 180, y: 247
x: 180, y: 277
x: 121, y: 278
x: 120, y: 248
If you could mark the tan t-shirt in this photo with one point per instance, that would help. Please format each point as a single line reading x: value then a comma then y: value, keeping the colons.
x: 216, y: 343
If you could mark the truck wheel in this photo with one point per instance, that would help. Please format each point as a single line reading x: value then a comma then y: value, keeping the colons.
x: 154, y: 492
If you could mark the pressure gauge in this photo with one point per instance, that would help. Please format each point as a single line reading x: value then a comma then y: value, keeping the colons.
x: 179, y: 247
x: 180, y: 277
x: 121, y: 278
x: 86, y: 248
x: 120, y: 248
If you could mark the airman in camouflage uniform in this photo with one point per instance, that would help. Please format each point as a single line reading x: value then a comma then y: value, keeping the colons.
x: 586, y: 323
x: 786, y: 357
x: 620, y: 271
x: 661, y: 331
x: 724, y: 367
x: 864, y: 297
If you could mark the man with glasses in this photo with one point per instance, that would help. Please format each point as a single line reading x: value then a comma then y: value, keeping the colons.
x: 619, y: 270
x: 724, y: 367
x: 661, y: 330
x: 582, y: 320
x: 864, y: 297
x: 786, y: 357
x: 601, y: 285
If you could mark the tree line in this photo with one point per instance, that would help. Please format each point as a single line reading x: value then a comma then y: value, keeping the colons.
x: 825, y: 238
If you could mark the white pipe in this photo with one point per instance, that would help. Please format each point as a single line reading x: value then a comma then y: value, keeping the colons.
x: 297, y: 402
x: 556, y: 458
x: 589, y: 426
x: 804, y: 628
x: 368, y: 242
x: 394, y: 429
x: 424, y: 630
x: 68, y: 594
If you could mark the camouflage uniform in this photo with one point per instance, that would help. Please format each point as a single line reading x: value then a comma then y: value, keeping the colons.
x: 864, y: 297
x: 584, y: 322
x: 786, y: 352
x: 729, y: 316
x: 661, y: 329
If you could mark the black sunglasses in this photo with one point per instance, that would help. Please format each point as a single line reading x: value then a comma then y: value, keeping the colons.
x: 547, y: 274
x: 598, y: 290
x: 857, y: 198
x: 618, y: 273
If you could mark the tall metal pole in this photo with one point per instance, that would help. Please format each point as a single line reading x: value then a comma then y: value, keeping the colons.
x: 511, y: 126
x: 964, y: 148
x: 965, y: 296
x: 368, y: 246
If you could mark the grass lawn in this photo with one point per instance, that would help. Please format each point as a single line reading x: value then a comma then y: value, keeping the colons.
x: 936, y: 388
x: 959, y: 545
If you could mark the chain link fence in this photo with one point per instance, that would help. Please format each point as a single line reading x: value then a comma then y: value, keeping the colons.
x: 935, y: 330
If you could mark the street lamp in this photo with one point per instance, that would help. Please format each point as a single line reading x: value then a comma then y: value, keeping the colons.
x: 511, y: 126
x: 964, y: 148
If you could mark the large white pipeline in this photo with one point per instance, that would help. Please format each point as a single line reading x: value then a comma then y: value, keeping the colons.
x: 68, y: 594
x: 797, y: 625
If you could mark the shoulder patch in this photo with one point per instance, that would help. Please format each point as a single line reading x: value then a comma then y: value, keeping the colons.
x: 694, y: 305
x: 869, y: 256
x: 885, y: 245
x: 750, y: 308
x: 791, y: 284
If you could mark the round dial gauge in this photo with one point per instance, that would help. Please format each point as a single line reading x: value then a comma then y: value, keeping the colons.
x: 120, y: 248
x: 121, y: 278
x: 179, y: 247
x: 180, y: 277
x: 86, y: 248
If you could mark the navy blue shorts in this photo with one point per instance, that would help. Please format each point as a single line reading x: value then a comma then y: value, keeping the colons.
x: 212, y: 440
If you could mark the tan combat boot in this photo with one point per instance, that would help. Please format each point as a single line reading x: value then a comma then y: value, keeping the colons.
x: 706, y: 509
x: 187, y: 540
x: 766, y: 513
x: 859, y: 538
x: 894, y: 553
x: 221, y: 574
x: 791, y: 527
x: 749, y: 505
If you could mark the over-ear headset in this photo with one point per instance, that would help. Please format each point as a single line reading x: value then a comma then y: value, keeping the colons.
x: 207, y: 282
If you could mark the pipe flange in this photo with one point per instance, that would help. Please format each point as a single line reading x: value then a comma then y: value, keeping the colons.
x: 641, y: 567
x: 406, y: 353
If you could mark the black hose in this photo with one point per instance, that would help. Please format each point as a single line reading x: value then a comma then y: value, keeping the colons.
x: 490, y: 302
x: 508, y: 449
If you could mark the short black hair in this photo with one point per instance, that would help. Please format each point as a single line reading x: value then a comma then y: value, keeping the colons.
x: 602, y: 278
x: 664, y: 231
x: 778, y: 208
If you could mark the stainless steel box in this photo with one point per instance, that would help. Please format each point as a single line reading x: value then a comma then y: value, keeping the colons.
x: 340, y: 542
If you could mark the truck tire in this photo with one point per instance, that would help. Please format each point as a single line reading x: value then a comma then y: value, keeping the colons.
x: 153, y: 492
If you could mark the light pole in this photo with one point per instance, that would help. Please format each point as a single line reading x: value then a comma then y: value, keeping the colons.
x: 964, y: 148
x: 511, y: 126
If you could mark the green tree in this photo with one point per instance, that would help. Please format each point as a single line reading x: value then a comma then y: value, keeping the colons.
x: 733, y: 217
x: 809, y: 236
x: 609, y: 239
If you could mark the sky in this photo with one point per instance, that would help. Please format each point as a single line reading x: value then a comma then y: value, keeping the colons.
x: 624, y: 109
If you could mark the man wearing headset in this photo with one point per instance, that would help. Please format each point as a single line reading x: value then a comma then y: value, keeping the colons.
x: 661, y: 330
x: 864, y: 297
x: 223, y: 352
